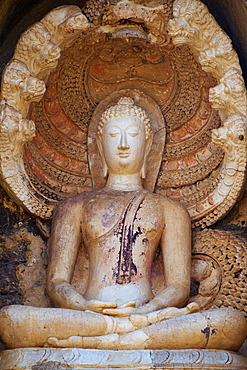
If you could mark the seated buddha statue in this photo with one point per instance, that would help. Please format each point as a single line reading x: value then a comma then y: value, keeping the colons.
x: 121, y: 227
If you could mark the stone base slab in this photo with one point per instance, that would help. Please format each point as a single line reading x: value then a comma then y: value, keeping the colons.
x: 73, y: 358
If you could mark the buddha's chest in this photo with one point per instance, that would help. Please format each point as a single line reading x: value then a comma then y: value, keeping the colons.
x: 129, y: 217
x: 121, y: 235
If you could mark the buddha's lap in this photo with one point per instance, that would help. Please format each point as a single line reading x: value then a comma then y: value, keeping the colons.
x: 24, y: 326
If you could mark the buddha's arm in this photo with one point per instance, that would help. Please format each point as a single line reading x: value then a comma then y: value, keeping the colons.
x: 63, y: 248
x: 176, y: 251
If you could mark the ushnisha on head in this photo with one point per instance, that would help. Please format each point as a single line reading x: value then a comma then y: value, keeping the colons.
x: 124, y: 139
x: 125, y: 108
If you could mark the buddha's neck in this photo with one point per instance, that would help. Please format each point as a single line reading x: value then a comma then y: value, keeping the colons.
x: 124, y: 182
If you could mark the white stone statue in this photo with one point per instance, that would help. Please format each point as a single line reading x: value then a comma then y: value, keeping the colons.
x: 121, y: 226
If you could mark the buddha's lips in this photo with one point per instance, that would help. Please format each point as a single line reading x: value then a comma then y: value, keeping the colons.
x: 123, y: 155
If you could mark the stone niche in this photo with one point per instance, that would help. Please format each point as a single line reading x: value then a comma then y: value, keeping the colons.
x: 62, y: 68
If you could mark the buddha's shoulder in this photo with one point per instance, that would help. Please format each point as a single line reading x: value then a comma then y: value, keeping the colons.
x: 77, y: 200
x: 166, y: 202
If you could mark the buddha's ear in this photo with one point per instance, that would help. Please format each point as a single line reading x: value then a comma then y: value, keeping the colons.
x: 149, y: 142
x: 99, y: 144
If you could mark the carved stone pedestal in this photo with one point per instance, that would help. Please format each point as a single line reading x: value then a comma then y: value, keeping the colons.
x: 61, y: 359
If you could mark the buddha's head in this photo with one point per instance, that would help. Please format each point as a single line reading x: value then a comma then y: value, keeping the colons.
x: 124, y: 138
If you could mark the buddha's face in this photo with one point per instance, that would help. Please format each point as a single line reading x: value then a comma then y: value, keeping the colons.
x: 123, y: 145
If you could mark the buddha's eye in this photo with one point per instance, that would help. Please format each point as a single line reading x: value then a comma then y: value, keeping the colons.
x: 113, y: 133
x: 133, y: 134
x: 133, y: 131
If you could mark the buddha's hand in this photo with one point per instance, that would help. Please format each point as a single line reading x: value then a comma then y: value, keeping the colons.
x: 140, y: 321
x: 66, y: 296
x: 144, y: 314
x: 123, y: 310
x: 98, y: 306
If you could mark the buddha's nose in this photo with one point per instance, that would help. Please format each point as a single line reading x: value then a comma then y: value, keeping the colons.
x: 123, y: 144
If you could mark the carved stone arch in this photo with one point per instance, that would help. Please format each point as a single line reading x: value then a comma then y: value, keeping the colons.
x: 185, y: 64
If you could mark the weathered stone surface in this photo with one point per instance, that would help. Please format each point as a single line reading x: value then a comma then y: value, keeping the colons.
x: 63, y: 359
x: 23, y: 257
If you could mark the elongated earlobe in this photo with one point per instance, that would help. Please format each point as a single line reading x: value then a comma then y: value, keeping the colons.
x: 105, y: 168
x: 104, y: 165
x: 148, y: 148
x: 143, y: 170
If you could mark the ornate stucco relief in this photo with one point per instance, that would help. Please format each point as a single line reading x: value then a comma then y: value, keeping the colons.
x: 23, y: 81
x: 194, y: 25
